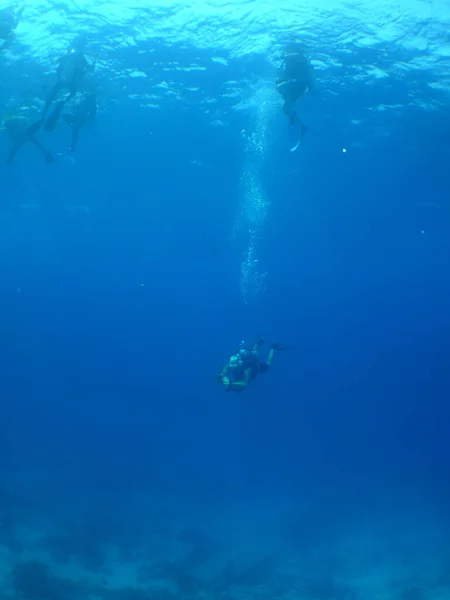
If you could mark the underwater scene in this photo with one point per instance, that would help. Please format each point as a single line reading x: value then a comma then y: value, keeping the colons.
x: 225, y: 291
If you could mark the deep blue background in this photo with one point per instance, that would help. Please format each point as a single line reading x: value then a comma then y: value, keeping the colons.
x: 109, y: 351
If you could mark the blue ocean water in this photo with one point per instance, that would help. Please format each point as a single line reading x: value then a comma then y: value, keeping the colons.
x: 132, y: 268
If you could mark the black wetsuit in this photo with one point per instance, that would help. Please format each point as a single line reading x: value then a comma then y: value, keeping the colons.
x: 295, y: 79
x: 70, y: 74
x: 83, y: 112
x: 252, y: 361
x: 20, y: 135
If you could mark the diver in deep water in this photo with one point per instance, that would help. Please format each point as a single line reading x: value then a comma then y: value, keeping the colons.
x: 83, y: 112
x: 21, y: 133
x: 295, y: 78
x: 71, y: 72
x: 9, y: 20
x: 244, y: 366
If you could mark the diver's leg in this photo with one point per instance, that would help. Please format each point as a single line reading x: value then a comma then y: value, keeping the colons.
x: 15, y: 148
x: 295, y: 121
x: 55, y: 115
x: 73, y: 86
x: 50, y: 98
x: 290, y: 101
x: 27, y: 136
x: 259, y: 342
x: 47, y: 154
x: 270, y: 357
x: 288, y: 107
x: 12, y: 153
x: 263, y: 367
x: 33, y: 128
x: 75, y: 133
x: 59, y: 85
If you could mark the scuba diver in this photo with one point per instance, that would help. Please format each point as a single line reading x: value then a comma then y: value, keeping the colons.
x: 244, y: 366
x: 9, y: 19
x: 296, y: 78
x: 84, y: 111
x: 70, y: 74
x: 21, y: 133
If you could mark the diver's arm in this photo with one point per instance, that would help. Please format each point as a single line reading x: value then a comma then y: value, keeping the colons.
x: 222, y: 375
x: 224, y: 370
x: 46, y: 153
x: 238, y: 386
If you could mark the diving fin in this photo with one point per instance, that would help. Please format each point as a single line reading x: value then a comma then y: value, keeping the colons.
x: 294, y: 137
x: 296, y: 132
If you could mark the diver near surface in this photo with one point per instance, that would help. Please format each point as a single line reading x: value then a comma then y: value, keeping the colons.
x: 71, y: 72
x: 296, y: 77
x: 244, y: 366
x: 21, y: 133
x: 83, y: 112
x: 9, y: 20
